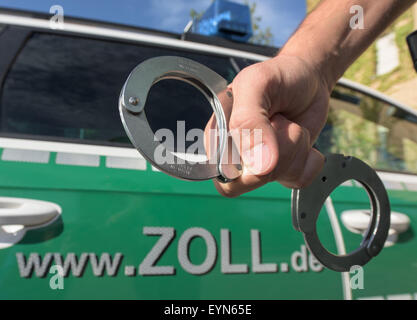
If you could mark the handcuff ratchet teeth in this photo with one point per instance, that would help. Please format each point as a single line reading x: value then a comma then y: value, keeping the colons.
x: 306, y: 202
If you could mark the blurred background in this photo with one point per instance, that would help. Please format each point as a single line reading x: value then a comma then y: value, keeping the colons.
x: 386, y: 66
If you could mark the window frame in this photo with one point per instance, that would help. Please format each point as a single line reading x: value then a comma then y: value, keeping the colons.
x: 32, y: 30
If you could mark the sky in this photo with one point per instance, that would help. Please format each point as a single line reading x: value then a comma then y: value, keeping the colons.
x: 282, y: 16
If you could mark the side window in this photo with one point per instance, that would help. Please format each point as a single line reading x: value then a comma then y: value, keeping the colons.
x: 381, y: 134
x: 242, y: 63
x: 67, y: 88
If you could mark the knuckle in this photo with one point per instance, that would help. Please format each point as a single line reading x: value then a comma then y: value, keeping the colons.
x: 294, y: 176
x: 295, y: 173
x: 300, y: 135
x: 226, y: 191
x: 230, y: 194
x: 299, y: 183
x: 248, y: 122
x: 241, y: 123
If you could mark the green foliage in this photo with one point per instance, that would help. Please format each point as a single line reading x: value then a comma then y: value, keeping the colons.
x: 311, y: 4
x: 363, y: 70
x: 405, y: 70
x: 195, y: 15
x: 368, y: 130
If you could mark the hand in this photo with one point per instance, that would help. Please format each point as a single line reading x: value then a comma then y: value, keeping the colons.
x: 288, y: 100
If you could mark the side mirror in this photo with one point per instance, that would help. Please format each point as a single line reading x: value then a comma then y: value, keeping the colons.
x: 412, y: 46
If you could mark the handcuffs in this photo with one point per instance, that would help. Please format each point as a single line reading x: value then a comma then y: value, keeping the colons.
x: 306, y: 202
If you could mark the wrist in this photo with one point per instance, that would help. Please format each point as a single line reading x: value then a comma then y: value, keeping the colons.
x: 321, y: 44
x: 322, y: 68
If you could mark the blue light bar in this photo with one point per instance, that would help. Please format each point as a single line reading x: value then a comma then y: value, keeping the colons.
x: 225, y: 19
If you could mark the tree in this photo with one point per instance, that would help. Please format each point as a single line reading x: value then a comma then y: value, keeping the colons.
x: 264, y: 37
x: 195, y: 15
x: 260, y: 36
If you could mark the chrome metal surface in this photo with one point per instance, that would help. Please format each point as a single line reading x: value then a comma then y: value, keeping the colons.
x: 307, y: 203
x: 135, y: 122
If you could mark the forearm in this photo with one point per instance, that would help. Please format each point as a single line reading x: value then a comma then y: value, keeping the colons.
x: 327, y: 41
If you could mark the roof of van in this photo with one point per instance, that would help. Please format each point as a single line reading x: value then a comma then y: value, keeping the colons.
x: 248, y: 47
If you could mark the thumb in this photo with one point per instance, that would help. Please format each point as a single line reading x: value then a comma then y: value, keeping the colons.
x: 253, y: 133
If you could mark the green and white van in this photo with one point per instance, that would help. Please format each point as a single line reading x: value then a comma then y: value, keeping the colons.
x: 75, y: 194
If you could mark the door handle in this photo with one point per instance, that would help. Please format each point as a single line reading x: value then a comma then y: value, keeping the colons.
x: 357, y: 221
x: 27, y: 212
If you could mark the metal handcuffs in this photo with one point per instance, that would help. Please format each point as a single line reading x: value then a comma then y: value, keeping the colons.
x: 306, y: 202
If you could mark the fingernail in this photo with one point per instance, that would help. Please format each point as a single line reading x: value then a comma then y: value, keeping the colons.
x: 257, y: 160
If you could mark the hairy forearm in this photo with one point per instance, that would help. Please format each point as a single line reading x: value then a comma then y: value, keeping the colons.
x: 327, y: 40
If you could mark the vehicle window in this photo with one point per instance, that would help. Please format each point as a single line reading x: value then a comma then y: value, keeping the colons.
x: 242, y: 63
x: 382, y: 135
x: 64, y: 87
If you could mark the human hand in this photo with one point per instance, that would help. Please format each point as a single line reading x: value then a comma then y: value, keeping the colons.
x: 288, y: 100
